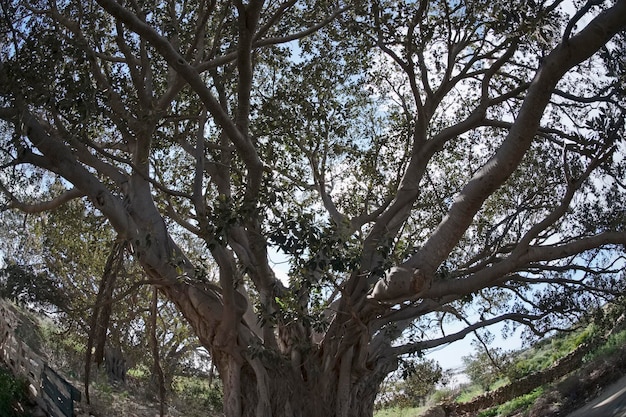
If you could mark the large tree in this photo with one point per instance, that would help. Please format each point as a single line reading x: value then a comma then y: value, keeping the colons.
x: 415, y: 162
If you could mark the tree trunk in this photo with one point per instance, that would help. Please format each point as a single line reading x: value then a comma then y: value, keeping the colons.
x: 286, y: 394
x: 305, y: 380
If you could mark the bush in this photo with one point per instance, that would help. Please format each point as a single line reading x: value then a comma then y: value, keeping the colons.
x: 416, y: 380
x: 612, y: 345
x: 469, y: 393
x: 13, y: 395
x: 197, y: 394
x: 514, y: 406
x: 445, y: 394
x: 420, y: 379
x: 485, y: 368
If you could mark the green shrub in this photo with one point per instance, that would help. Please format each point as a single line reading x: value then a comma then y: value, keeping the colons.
x: 484, y: 367
x: 515, y: 405
x: 197, y: 393
x: 492, y: 412
x: 443, y: 395
x: 469, y: 393
x: 612, y: 345
x: 399, y: 412
x: 584, y: 336
x: 13, y: 395
x: 545, y: 353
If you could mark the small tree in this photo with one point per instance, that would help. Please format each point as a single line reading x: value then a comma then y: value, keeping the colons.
x: 23, y: 285
x: 421, y: 378
x: 486, y: 365
x: 412, y: 384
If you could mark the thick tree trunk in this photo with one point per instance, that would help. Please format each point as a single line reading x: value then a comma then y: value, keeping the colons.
x: 291, y: 396
x: 260, y: 381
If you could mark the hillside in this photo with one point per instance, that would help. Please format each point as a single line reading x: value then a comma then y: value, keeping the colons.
x: 557, y: 398
x: 555, y: 376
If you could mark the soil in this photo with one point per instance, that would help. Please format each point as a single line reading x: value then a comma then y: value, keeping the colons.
x: 598, y: 387
x: 610, y: 403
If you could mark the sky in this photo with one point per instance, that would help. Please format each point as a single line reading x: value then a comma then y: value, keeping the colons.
x: 450, y: 356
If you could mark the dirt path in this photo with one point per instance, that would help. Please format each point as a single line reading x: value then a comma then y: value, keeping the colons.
x: 610, y: 403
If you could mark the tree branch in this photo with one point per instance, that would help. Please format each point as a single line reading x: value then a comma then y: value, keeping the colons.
x: 189, y: 73
x: 525, y: 319
x: 41, y: 206
x: 498, y: 272
x: 519, y: 138
x: 59, y: 159
x: 258, y: 43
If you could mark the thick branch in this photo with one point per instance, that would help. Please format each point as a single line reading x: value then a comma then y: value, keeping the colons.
x: 498, y: 169
x: 59, y: 159
x: 499, y: 271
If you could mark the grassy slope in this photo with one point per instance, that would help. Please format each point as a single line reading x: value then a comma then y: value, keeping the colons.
x: 608, y: 356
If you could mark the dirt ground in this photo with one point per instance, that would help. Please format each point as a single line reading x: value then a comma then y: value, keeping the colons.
x: 610, y: 403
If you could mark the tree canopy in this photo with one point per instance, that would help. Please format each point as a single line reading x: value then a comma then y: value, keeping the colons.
x: 415, y: 162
